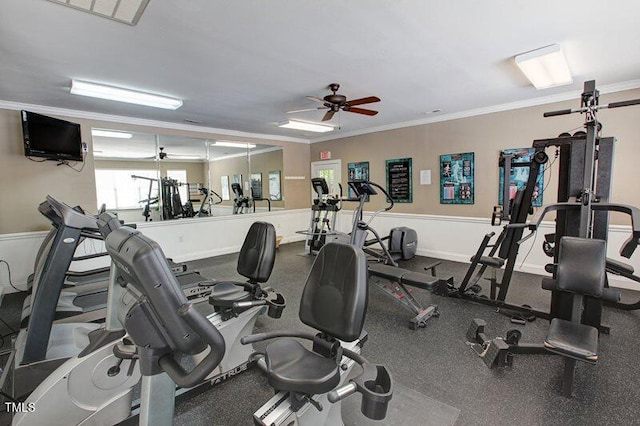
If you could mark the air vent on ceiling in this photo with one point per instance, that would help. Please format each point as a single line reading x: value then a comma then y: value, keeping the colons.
x: 125, y: 11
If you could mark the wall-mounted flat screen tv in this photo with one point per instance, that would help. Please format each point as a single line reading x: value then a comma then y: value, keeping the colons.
x: 51, y: 138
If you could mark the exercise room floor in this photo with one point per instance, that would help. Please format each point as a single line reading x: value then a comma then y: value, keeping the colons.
x: 434, y: 363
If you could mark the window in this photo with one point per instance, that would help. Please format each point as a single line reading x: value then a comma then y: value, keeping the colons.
x: 118, y: 190
x: 181, y: 177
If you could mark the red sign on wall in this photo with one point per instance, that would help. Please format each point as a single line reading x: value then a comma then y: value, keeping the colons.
x: 325, y: 155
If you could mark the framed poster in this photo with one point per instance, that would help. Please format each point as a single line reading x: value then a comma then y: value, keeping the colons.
x: 399, y: 180
x: 237, y: 179
x: 456, y: 178
x: 224, y: 184
x: 275, y: 193
x: 256, y: 185
x: 357, y: 171
x: 519, y: 175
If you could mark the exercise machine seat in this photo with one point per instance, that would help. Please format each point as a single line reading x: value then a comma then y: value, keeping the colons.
x: 580, y: 271
x: 420, y: 280
x: 387, y: 271
x: 335, y: 296
x: 573, y: 339
x: 225, y: 294
x: 293, y: 368
x: 255, y: 262
x: 334, y: 301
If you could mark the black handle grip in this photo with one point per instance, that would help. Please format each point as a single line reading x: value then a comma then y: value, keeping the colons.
x: 623, y: 103
x: 559, y: 112
x: 211, y: 337
x: 253, y: 338
x: 249, y: 304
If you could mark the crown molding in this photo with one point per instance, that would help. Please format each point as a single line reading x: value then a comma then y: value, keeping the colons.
x: 73, y: 113
x: 543, y: 100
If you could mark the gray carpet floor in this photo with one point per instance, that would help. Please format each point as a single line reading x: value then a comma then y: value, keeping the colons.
x: 433, y: 364
x: 435, y: 361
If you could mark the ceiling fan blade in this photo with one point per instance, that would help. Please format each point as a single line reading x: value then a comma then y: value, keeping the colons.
x: 305, y: 110
x: 316, y: 99
x: 364, y: 111
x: 328, y: 116
x: 361, y: 101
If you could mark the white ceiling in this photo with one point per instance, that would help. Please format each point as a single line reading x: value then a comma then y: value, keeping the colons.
x: 241, y: 64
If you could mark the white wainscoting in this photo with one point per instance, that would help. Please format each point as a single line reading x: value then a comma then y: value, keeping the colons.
x: 458, y: 238
x: 182, y: 240
x: 443, y: 237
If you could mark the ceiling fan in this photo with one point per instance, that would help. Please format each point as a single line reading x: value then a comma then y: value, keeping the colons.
x: 336, y: 102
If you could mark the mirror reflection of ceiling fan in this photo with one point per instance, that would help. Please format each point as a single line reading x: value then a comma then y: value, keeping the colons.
x: 336, y: 102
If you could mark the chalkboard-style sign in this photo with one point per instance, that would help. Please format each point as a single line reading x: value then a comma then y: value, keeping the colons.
x: 457, y: 178
x: 399, y: 180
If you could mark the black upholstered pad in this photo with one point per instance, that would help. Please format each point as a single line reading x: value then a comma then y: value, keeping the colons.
x: 225, y: 294
x: 618, y: 266
x: 581, y: 266
x: 494, y: 262
x: 572, y: 339
x: 292, y: 367
x: 334, y: 299
x: 417, y: 279
x: 386, y: 271
x: 258, y: 252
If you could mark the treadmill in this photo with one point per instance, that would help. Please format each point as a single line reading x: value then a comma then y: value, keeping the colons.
x: 86, y: 302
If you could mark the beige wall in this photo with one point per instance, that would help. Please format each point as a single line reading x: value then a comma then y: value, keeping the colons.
x: 24, y: 184
x: 486, y: 135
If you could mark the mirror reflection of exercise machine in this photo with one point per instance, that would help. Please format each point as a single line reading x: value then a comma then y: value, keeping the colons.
x: 207, y: 203
x: 149, y: 201
x: 243, y: 204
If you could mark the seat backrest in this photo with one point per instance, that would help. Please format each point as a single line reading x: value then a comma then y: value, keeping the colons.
x: 258, y: 252
x: 334, y: 299
x: 581, y: 266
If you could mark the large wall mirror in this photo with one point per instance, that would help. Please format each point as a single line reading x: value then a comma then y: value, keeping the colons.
x: 149, y: 177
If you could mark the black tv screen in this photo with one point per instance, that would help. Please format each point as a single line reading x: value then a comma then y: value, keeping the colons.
x: 51, y: 138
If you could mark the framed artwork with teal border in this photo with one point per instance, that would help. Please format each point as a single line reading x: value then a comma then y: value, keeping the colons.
x: 519, y: 176
x: 457, y: 178
x: 399, y: 180
x: 357, y: 171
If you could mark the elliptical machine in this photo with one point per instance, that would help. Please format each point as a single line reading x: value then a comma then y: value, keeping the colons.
x: 241, y: 203
x: 323, y: 216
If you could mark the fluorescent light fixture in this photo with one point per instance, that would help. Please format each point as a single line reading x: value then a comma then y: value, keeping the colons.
x: 305, y: 125
x: 94, y: 90
x: 111, y: 134
x: 545, y: 67
x: 230, y: 144
x: 127, y: 12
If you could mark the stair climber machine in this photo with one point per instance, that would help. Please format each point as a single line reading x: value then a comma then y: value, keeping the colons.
x: 84, y: 373
x: 323, y: 216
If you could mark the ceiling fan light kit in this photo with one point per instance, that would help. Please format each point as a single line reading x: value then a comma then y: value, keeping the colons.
x: 336, y: 102
x: 305, y: 125
x: 546, y: 67
x: 120, y: 94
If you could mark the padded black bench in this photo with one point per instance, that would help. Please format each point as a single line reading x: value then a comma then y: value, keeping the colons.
x: 397, y: 279
x: 581, y: 273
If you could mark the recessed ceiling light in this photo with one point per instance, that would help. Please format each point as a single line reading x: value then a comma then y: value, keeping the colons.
x: 127, y: 12
x: 102, y: 91
x: 230, y: 144
x: 111, y: 134
x: 545, y: 67
x: 307, y: 126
